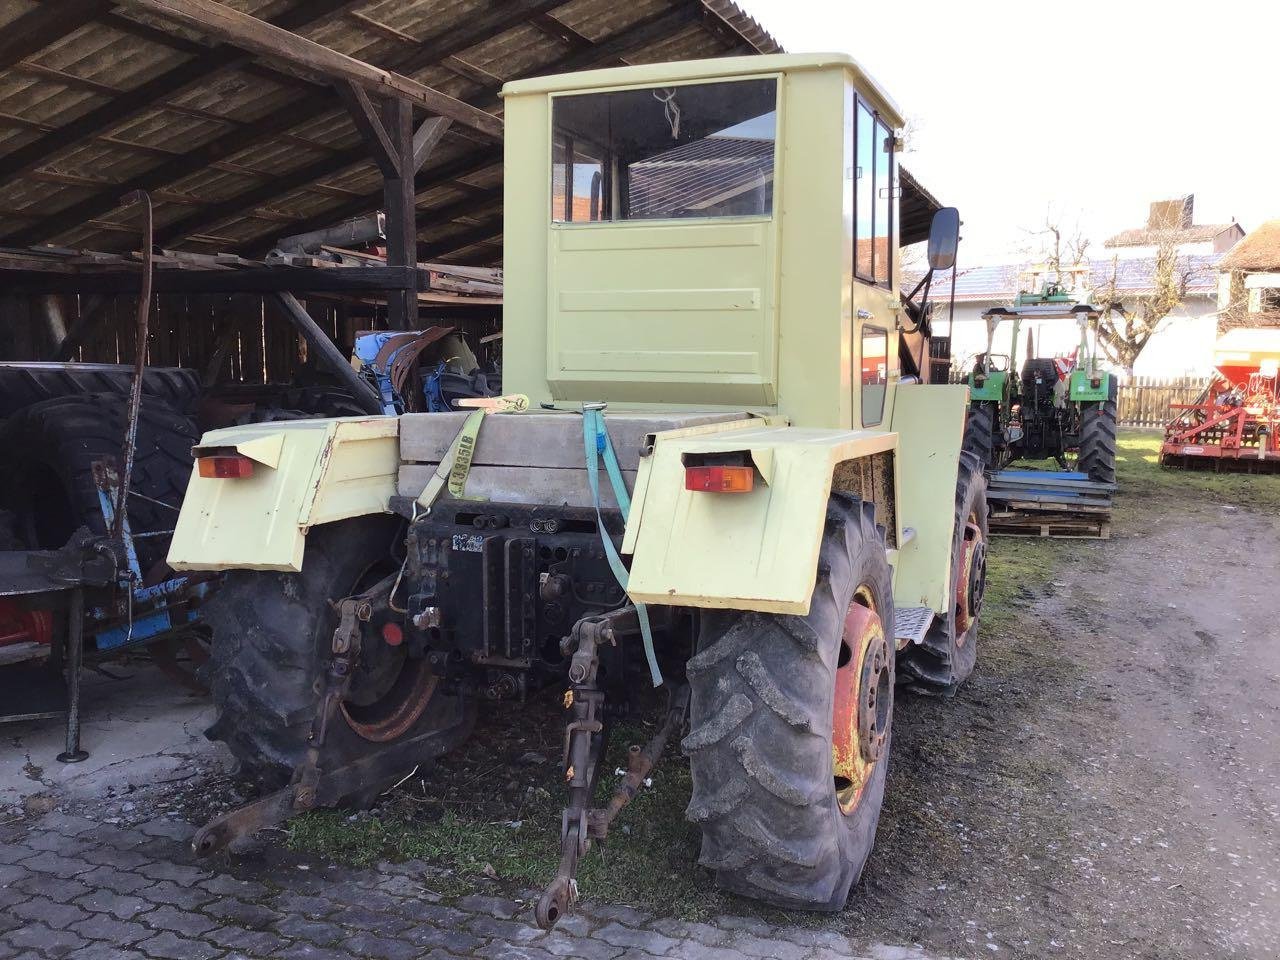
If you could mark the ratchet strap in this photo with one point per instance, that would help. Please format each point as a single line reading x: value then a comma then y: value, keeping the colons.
x: 455, y: 465
x: 597, y: 446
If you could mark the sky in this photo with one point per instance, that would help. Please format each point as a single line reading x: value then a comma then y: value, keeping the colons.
x: 1084, y: 112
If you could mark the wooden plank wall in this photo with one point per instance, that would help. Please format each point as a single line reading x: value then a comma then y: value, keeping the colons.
x: 257, y: 345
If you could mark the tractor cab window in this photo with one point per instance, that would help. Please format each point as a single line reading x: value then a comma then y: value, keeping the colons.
x: 874, y: 363
x: 875, y: 186
x: 663, y: 153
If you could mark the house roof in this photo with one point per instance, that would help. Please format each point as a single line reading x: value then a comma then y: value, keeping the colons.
x: 1146, y: 236
x: 98, y: 100
x: 1258, y: 251
x: 999, y: 282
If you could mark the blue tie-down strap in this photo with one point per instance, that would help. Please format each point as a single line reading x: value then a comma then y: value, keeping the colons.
x: 596, y: 443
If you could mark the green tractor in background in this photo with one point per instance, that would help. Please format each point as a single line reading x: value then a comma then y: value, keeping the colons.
x: 1051, y: 408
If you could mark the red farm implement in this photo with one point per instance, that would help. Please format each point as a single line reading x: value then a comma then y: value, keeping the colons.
x: 1235, y: 425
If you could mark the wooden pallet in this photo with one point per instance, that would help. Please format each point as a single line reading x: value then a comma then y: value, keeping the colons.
x: 1058, y: 526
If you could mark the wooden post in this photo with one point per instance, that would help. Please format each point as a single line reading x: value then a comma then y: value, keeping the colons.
x: 399, y: 200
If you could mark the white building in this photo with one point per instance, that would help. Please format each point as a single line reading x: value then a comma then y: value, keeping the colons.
x: 1182, y: 344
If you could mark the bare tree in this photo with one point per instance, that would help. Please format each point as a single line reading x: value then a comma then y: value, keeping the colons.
x: 1129, y: 319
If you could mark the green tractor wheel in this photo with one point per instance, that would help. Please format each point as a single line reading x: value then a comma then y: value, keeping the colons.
x: 1098, y: 438
x: 790, y: 723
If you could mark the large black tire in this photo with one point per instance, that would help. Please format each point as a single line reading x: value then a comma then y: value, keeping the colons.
x: 272, y: 633
x: 1098, y: 438
x: 760, y: 744
x: 47, y: 479
x: 980, y: 433
x: 947, y: 656
x: 22, y: 383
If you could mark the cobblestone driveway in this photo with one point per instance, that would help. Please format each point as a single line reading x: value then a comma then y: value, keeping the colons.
x: 70, y: 887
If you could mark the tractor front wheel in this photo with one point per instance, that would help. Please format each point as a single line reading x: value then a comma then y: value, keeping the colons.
x: 790, y: 726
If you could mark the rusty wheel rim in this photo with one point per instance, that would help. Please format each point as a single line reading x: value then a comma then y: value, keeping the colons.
x: 390, y: 690
x: 863, y: 701
x: 392, y: 715
x: 971, y: 579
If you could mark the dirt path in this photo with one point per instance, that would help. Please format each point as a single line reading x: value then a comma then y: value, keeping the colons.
x: 1108, y: 784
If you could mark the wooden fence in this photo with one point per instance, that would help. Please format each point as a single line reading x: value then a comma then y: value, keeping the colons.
x: 1144, y: 401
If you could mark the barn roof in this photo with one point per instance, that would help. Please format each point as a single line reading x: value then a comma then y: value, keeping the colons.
x: 100, y: 98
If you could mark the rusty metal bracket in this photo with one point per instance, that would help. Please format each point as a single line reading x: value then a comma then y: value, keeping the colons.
x: 640, y: 763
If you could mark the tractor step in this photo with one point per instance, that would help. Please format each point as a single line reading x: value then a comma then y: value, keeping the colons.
x: 911, y: 624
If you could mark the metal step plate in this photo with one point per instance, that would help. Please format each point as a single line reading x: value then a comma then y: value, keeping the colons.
x: 911, y: 623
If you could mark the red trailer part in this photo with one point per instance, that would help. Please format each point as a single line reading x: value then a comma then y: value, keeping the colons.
x: 1235, y: 424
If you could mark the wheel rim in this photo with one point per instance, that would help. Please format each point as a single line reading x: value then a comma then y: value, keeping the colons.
x: 389, y: 690
x: 971, y: 579
x: 863, y: 701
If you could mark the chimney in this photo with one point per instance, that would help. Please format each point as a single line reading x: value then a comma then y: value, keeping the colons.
x: 1172, y: 214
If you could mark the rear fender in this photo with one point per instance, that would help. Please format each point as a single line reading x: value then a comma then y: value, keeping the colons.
x: 751, y: 551
x: 307, y: 472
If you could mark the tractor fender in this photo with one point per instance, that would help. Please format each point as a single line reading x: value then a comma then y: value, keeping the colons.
x: 306, y: 472
x: 744, y: 551
x: 759, y: 550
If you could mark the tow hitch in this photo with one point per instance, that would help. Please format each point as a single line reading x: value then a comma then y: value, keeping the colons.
x: 583, y: 751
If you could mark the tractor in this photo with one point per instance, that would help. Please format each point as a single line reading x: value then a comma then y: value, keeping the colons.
x: 719, y: 469
x: 1052, y: 407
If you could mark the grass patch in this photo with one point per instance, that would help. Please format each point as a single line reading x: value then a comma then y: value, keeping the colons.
x: 1141, y: 478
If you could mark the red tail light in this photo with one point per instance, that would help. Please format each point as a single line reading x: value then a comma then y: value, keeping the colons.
x: 226, y: 467
x: 720, y: 479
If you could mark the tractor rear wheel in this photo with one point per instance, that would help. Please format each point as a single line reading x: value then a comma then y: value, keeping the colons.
x: 1098, y: 438
x: 790, y: 725
x: 272, y: 635
x: 980, y: 433
x: 950, y: 648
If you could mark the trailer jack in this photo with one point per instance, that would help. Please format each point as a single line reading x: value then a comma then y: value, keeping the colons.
x: 583, y: 751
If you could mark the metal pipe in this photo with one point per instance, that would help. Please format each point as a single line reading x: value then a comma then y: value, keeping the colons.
x: 139, y: 357
x: 75, y: 658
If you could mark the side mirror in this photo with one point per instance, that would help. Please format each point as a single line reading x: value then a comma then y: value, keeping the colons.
x: 944, y: 238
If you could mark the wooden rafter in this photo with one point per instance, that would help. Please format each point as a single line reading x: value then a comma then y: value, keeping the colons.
x: 36, y: 29
x: 481, y: 28
x: 266, y: 40
x: 652, y: 30
x: 190, y: 75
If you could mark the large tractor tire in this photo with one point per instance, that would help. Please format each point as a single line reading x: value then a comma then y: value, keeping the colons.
x: 1098, y: 438
x: 980, y: 433
x: 46, y: 479
x: 950, y: 648
x: 25, y: 383
x: 272, y: 636
x: 790, y: 727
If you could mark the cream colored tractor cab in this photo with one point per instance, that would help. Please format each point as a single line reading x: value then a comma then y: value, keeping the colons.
x: 724, y: 476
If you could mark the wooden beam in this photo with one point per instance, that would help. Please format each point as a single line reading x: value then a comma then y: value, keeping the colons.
x: 652, y: 30
x: 485, y: 230
x: 368, y: 280
x: 369, y: 125
x: 194, y: 73
x: 266, y: 40
x: 36, y: 29
x: 328, y: 356
x: 426, y: 138
x: 479, y: 29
